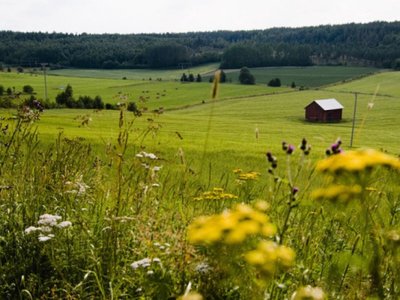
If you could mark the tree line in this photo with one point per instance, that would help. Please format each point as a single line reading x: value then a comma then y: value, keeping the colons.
x: 372, y: 44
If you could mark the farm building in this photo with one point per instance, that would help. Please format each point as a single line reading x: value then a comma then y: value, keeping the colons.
x: 324, y: 110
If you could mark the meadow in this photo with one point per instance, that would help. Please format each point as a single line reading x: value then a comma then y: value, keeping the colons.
x: 204, y: 198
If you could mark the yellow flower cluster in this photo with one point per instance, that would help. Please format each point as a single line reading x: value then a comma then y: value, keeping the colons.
x: 245, y: 176
x: 357, y: 160
x: 248, y: 176
x: 217, y: 194
x: 231, y: 226
x: 308, y: 293
x: 269, y: 256
x: 337, y: 193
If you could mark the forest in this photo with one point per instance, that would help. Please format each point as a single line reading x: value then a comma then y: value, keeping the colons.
x: 373, y: 44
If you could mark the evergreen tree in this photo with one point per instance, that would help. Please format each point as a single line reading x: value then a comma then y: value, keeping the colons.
x: 191, y: 77
x: 198, y: 78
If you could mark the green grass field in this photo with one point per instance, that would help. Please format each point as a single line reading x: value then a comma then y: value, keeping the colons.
x: 304, y: 76
x: 136, y: 74
x: 167, y: 94
x: 129, y: 189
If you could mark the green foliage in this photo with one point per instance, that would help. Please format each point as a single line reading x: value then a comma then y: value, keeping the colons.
x: 27, y: 89
x: 396, y: 64
x: 245, y: 77
x: 351, y: 44
x: 276, y: 82
x: 1, y: 90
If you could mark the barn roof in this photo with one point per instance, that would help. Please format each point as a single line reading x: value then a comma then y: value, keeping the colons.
x: 329, y: 104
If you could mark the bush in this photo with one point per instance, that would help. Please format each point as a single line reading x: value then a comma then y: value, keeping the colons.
x: 245, y: 77
x: 276, y: 82
x: 27, y: 89
x: 1, y: 90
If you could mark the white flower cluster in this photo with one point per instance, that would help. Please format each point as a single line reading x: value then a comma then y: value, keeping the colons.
x: 78, y: 187
x: 143, y: 154
x: 46, y: 224
x: 163, y: 247
x: 145, y: 263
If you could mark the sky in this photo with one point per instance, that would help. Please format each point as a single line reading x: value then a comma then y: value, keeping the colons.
x: 161, y: 16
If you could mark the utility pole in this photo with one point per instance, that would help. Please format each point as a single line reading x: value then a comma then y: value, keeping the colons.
x: 354, y: 120
x: 45, y: 80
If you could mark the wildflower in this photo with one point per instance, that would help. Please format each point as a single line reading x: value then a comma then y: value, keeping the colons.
x: 143, y: 154
x: 203, y: 268
x: 308, y: 293
x: 269, y: 256
x: 357, y: 160
x: 191, y: 296
x: 305, y: 147
x: 217, y: 194
x: 290, y: 149
x: 31, y: 229
x: 337, y: 193
x: 143, y: 263
x: 230, y: 227
x: 47, y: 219
x: 248, y: 176
x: 335, y: 148
x: 272, y: 160
x: 157, y: 168
x: 64, y: 224
x: 45, y: 238
x: 295, y: 190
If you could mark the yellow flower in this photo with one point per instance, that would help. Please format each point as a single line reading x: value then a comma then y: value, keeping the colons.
x: 357, y: 160
x: 308, y: 293
x: 248, y: 176
x: 269, y: 256
x: 337, y: 193
x: 191, y: 296
x: 217, y: 194
x: 231, y: 226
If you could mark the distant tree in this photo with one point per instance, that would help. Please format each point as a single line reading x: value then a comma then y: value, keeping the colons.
x: 20, y: 70
x: 198, y: 78
x: 9, y: 91
x: 245, y: 77
x: 65, y: 97
x: 396, y: 64
x: 1, y: 90
x: 184, y: 77
x: 98, y: 103
x: 276, y: 82
x: 27, y: 89
x: 133, y: 108
x: 110, y: 106
x: 293, y: 85
x: 1, y: 67
x: 191, y: 77
x: 8, y: 69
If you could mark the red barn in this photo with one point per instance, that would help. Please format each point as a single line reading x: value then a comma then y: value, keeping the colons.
x: 325, y: 110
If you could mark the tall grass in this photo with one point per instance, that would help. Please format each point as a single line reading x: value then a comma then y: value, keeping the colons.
x: 112, y: 222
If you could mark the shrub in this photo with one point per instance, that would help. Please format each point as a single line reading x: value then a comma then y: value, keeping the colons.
x: 245, y: 77
x: 276, y: 82
x: 27, y: 89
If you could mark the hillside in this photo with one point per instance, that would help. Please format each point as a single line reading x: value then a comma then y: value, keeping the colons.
x: 372, y: 44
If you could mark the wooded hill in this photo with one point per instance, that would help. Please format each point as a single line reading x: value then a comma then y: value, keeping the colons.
x: 372, y: 44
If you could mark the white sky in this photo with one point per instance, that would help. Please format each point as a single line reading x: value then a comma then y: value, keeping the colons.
x: 145, y: 16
